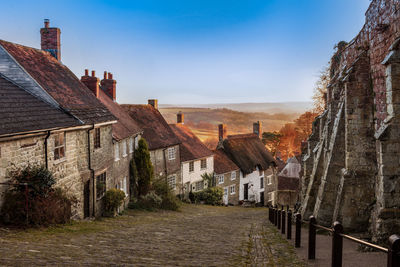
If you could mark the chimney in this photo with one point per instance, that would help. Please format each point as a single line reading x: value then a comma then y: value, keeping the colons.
x: 221, y: 132
x: 257, y: 128
x: 180, y: 117
x: 50, y: 40
x: 109, y: 85
x: 91, y: 82
x: 153, y: 102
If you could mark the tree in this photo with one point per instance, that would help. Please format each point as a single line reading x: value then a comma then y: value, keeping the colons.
x: 272, y: 141
x: 209, y: 178
x: 145, y: 170
x: 320, y: 90
x: 133, y: 178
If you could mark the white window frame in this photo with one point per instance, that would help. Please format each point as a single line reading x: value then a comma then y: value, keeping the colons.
x: 221, y: 179
x: 201, y: 187
x: 232, y: 189
x: 191, y: 164
x: 233, y: 176
x: 171, y: 153
x: 124, y: 149
x: 171, y: 180
x: 131, y: 148
x: 269, y: 179
x: 116, y: 151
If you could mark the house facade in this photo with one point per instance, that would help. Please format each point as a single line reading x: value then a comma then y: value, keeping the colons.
x: 78, y: 149
x: 125, y: 132
x: 283, y: 188
x: 255, y: 162
x: 162, y: 142
x: 227, y: 177
x: 196, y: 158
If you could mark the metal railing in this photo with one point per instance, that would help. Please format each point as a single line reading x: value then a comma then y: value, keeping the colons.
x: 278, y: 218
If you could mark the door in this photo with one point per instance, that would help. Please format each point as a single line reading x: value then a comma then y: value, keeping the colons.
x: 86, y: 199
x: 246, y: 192
x: 262, y: 198
x: 225, y: 199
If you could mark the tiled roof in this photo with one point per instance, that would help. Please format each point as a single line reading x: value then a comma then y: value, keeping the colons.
x: 191, y: 147
x: 248, y: 152
x: 156, y: 130
x: 22, y: 112
x: 222, y: 163
x: 126, y: 126
x: 60, y: 83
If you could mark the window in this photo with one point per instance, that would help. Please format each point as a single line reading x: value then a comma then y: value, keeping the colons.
x: 131, y: 148
x: 262, y: 182
x: 220, y: 179
x: 269, y: 179
x: 191, y: 166
x: 232, y: 189
x: 124, y: 153
x: 96, y: 137
x: 203, y: 164
x: 101, y: 185
x: 116, y: 151
x: 172, y: 182
x: 171, y: 153
x: 199, y: 185
x: 233, y: 176
x: 59, y: 146
x: 136, y: 142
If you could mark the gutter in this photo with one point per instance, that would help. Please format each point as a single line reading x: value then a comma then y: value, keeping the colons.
x: 45, y: 150
x: 91, y: 170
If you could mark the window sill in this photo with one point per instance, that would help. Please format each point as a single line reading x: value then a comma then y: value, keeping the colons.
x: 116, y: 160
x: 58, y: 161
x: 124, y: 156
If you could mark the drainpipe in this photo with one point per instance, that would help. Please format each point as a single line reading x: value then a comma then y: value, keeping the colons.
x: 91, y: 170
x: 45, y: 150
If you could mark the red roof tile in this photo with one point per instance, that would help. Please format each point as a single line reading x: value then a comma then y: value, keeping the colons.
x: 222, y: 163
x: 126, y: 126
x: 156, y: 130
x: 191, y: 147
x: 58, y: 81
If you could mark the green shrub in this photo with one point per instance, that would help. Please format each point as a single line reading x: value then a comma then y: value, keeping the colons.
x: 169, y: 200
x: 150, y: 202
x: 113, y: 199
x: 46, y: 205
x: 210, y: 196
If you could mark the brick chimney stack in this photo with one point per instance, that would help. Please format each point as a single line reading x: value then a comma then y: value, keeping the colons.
x: 257, y: 129
x: 109, y: 85
x: 153, y: 102
x: 91, y: 82
x: 50, y: 40
x: 221, y: 132
x: 180, y: 118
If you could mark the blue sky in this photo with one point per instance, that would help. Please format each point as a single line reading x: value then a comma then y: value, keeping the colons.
x: 194, y: 51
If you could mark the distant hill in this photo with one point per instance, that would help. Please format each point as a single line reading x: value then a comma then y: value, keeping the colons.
x: 270, y: 108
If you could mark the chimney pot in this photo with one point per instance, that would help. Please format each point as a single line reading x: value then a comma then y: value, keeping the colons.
x: 180, y: 117
x: 221, y: 132
x: 110, y: 76
x: 153, y: 102
x: 86, y: 72
x: 93, y: 73
x: 105, y: 75
x: 257, y: 128
x: 46, y: 23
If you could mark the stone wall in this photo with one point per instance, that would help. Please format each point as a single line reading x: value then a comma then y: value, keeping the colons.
x: 351, y: 164
x: 233, y: 199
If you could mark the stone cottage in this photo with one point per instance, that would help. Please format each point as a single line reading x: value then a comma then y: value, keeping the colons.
x: 351, y: 163
x: 196, y: 158
x: 73, y: 134
x: 227, y: 177
x: 162, y: 141
x: 125, y: 133
x: 283, y: 188
x: 255, y: 162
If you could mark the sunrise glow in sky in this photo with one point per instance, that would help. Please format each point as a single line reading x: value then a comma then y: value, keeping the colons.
x: 194, y: 51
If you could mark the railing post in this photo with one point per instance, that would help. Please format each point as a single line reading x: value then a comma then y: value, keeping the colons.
x: 279, y: 219
x: 297, y: 242
x: 311, y: 238
x: 289, y: 224
x: 337, y: 245
x: 283, y: 228
x: 276, y: 217
x: 394, y: 250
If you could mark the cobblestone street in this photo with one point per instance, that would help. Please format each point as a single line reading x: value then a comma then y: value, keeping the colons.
x: 196, y: 236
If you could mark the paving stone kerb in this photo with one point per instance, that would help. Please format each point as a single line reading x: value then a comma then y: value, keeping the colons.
x: 196, y: 236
